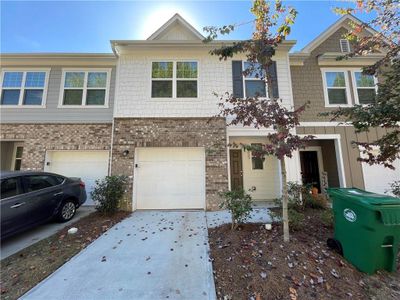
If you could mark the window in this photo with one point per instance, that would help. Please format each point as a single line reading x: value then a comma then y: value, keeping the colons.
x: 344, y: 45
x: 18, y: 158
x: 39, y: 182
x: 253, y: 85
x: 364, y: 88
x: 87, y: 88
x: 174, y: 79
x: 336, y: 88
x: 9, y: 188
x: 24, y: 88
x: 257, y: 161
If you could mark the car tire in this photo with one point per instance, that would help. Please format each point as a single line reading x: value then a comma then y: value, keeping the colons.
x: 67, y: 211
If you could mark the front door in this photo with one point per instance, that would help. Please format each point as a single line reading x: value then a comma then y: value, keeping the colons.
x: 310, y: 168
x: 236, y: 169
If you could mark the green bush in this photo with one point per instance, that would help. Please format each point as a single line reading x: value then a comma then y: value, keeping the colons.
x: 238, y: 203
x: 296, y: 218
x: 298, y: 196
x: 108, y: 192
x: 395, y: 188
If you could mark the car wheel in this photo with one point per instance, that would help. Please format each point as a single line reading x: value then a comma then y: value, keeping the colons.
x: 67, y: 211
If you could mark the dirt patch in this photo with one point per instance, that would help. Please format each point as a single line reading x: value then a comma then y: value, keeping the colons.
x: 22, y: 271
x: 254, y: 263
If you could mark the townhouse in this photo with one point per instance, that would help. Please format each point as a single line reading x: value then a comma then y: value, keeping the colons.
x: 146, y: 111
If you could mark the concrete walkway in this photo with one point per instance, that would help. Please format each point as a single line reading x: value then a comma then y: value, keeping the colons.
x: 24, y: 239
x: 151, y: 255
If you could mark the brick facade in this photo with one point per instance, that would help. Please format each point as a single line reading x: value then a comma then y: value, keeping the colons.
x: 38, y: 138
x: 130, y: 133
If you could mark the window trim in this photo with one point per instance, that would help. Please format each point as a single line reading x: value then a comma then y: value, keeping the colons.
x: 174, y: 80
x: 355, y: 88
x: 85, y: 88
x: 347, y: 87
x: 252, y: 79
x: 14, y: 157
x: 341, y: 45
x: 22, y: 88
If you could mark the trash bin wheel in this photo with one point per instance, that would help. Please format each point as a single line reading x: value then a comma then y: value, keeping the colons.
x: 335, y: 245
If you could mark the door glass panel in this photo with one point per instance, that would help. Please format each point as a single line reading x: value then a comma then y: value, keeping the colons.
x: 39, y: 182
x: 19, y: 152
x: 9, y: 188
x: 17, y: 166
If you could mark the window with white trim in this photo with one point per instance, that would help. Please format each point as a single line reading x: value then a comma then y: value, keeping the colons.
x: 174, y: 79
x: 336, y: 87
x: 23, y: 88
x: 364, y: 88
x: 88, y: 88
x: 344, y: 46
x: 253, y: 85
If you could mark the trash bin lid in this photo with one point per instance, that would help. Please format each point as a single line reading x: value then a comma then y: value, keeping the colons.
x: 365, y: 197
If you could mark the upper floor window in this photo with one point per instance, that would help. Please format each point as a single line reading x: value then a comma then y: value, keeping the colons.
x: 344, y: 45
x: 89, y: 88
x: 364, y: 88
x: 252, y: 84
x: 24, y: 88
x: 336, y: 88
x: 174, y: 79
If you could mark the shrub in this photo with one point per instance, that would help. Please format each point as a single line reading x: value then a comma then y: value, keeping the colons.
x: 296, y: 218
x: 316, y: 201
x: 108, y: 192
x: 298, y: 196
x: 395, y: 188
x: 239, y: 205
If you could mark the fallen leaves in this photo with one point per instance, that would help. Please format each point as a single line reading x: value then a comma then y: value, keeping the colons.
x: 23, y: 270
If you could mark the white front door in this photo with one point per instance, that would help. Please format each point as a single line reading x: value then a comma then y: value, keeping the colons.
x: 169, y: 178
x: 87, y: 165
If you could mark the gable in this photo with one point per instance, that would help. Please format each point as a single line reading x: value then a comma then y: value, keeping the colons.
x: 341, y: 26
x: 176, y: 29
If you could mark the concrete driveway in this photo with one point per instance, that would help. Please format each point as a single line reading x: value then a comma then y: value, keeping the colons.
x: 24, y: 239
x: 150, y: 255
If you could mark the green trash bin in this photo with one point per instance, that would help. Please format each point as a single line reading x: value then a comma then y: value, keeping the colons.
x: 367, y: 228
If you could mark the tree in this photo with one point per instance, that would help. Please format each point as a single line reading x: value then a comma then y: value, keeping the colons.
x: 385, y: 111
x: 272, y: 25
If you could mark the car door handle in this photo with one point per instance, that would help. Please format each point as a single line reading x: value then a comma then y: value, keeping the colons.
x: 60, y: 193
x: 17, y: 205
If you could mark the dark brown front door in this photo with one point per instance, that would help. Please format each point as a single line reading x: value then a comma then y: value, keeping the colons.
x: 310, y: 169
x: 236, y: 169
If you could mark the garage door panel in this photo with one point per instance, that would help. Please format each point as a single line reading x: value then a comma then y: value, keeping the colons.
x: 377, y: 178
x: 170, y: 178
x: 88, y: 165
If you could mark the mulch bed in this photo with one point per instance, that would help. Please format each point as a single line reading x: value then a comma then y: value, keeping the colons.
x: 254, y: 263
x: 22, y: 271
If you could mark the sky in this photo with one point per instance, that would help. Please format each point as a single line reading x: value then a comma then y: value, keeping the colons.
x: 88, y: 26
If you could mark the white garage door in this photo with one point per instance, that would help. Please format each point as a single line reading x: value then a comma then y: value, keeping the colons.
x: 170, y: 178
x: 377, y: 178
x: 88, y: 165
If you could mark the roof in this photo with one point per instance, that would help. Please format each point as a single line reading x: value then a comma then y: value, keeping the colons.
x: 342, y: 22
x: 40, y: 59
x: 176, y: 21
x: 297, y: 58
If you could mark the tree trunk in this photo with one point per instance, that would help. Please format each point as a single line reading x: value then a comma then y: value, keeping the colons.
x: 285, y: 215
